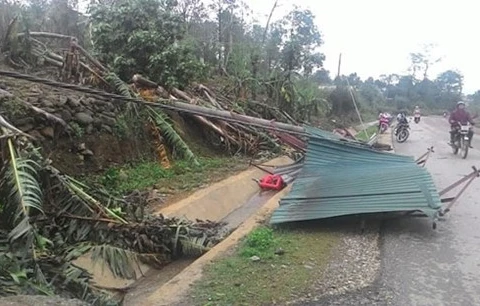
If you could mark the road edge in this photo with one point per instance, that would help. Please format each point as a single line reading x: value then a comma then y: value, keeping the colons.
x: 174, y: 291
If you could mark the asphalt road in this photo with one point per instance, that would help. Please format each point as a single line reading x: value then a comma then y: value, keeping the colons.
x: 422, y: 266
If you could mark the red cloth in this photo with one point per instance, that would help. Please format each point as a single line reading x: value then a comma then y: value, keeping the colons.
x: 460, y: 116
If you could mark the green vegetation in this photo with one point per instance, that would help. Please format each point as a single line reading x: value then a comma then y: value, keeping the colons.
x: 182, y: 176
x: 47, y: 219
x: 76, y: 129
x: 370, y: 131
x: 290, y: 262
x: 279, y: 61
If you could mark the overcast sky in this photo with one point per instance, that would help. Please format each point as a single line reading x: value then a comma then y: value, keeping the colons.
x: 376, y: 36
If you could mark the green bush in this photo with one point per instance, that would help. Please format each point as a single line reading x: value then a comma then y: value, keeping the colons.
x: 258, y: 242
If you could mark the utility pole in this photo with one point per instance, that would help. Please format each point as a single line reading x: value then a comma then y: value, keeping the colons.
x: 339, y: 64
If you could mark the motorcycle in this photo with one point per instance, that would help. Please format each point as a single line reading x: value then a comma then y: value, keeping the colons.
x: 384, y: 123
x: 417, y: 118
x: 402, y: 132
x: 461, y: 141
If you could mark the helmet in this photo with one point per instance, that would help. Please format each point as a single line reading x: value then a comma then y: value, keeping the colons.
x: 416, y: 106
x: 460, y: 103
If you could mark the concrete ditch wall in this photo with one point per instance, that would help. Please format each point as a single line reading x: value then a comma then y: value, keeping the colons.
x: 211, y: 203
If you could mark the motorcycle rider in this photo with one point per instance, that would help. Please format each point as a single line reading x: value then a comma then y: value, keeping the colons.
x: 402, y: 118
x: 417, y: 111
x: 460, y: 116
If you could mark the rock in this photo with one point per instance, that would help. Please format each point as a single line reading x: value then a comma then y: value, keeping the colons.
x: 47, y: 132
x: 81, y: 146
x: 36, y: 134
x: 61, y: 101
x: 3, y: 86
x: 26, y: 127
x: 87, y: 152
x: 279, y: 251
x: 110, y: 106
x: 110, y: 114
x: 106, y: 128
x: 255, y: 258
x: 89, y: 112
x: 90, y: 101
x: 35, y: 89
x: 83, y: 118
x: 46, y: 102
x: 24, y: 121
x: 66, y: 115
x: 86, y: 102
x: 89, y: 129
x: 308, y: 267
x: 97, y: 122
x: 108, y: 120
x: 73, y: 103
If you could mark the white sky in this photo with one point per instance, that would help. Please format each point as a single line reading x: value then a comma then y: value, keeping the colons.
x: 376, y: 36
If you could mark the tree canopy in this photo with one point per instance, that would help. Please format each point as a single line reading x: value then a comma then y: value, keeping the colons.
x: 279, y: 62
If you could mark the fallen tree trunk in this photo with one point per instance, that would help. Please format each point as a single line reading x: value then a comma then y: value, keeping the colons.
x: 170, y: 104
x: 90, y: 57
x: 45, y: 35
x: 139, y: 80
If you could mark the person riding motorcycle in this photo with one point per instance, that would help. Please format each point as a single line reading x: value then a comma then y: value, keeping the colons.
x: 460, y: 116
x: 417, y: 110
x: 402, y: 118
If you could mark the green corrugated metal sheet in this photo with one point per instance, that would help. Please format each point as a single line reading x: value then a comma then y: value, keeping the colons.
x: 341, y: 178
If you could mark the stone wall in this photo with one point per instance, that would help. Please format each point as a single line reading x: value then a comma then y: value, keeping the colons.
x: 95, y: 141
x: 79, y: 111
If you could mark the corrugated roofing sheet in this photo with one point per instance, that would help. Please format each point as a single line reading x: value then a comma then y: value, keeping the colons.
x: 343, y: 178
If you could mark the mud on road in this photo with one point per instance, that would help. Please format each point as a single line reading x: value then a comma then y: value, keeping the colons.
x: 422, y: 266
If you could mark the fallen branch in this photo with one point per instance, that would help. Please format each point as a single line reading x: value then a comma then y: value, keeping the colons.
x: 45, y: 35
x: 143, y: 82
x: 65, y: 215
x: 47, y: 115
x: 4, y: 123
x: 4, y: 93
x: 89, y: 56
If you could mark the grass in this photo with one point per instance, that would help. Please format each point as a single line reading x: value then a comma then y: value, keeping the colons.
x: 238, y: 280
x: 182, y: 176
x: 370, y: 131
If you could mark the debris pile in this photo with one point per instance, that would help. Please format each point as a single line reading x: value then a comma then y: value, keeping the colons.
x: 75, y: 65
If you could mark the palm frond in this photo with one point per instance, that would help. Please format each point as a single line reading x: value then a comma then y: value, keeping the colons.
x: 19, y: 192
x: 160, y: 120
x: 120, y: 261
x: 120, y: 86
x: 193, y: 246
x: 76, y: 200
x: 77, y: 280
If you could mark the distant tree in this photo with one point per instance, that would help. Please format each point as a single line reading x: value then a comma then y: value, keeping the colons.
x: 450, y: 81
x: 422, y: 61
x: 322, y: 76
x: 475, y: 97
x: 300, y: 37
x: 354, y: 80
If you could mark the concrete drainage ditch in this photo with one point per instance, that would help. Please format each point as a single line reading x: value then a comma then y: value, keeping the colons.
x: 236, y: 201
